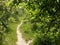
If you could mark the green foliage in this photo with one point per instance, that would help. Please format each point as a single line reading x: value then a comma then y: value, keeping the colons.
x: 26, y: 31
x: 43, y: 15
x: 45, y: 19
x: 8, y: 14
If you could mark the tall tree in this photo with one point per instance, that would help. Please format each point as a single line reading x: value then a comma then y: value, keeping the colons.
x: 45, y: 18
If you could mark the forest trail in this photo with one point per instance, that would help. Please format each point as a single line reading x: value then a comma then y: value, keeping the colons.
x: 20, y: 40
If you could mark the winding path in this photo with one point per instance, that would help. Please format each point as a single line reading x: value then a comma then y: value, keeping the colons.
x: 20, y: 40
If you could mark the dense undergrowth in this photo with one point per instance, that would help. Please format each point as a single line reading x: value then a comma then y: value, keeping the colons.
x: 26, y: 31
x: 11, y: 36
x: 43, y: 25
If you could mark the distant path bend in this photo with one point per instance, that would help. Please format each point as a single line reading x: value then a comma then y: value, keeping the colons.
x: 20, y: 40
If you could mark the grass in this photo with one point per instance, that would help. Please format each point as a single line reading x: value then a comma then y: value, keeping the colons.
x: 11, y: 37
x: 26, y: 31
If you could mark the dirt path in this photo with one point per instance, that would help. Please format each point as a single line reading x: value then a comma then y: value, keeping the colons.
x: 20, y: 40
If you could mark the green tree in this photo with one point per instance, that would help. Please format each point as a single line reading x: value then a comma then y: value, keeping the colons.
x: 45, y: 18
x: 8, y: 14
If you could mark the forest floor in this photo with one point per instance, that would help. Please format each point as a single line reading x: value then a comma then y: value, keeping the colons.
x: 20, y: 40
